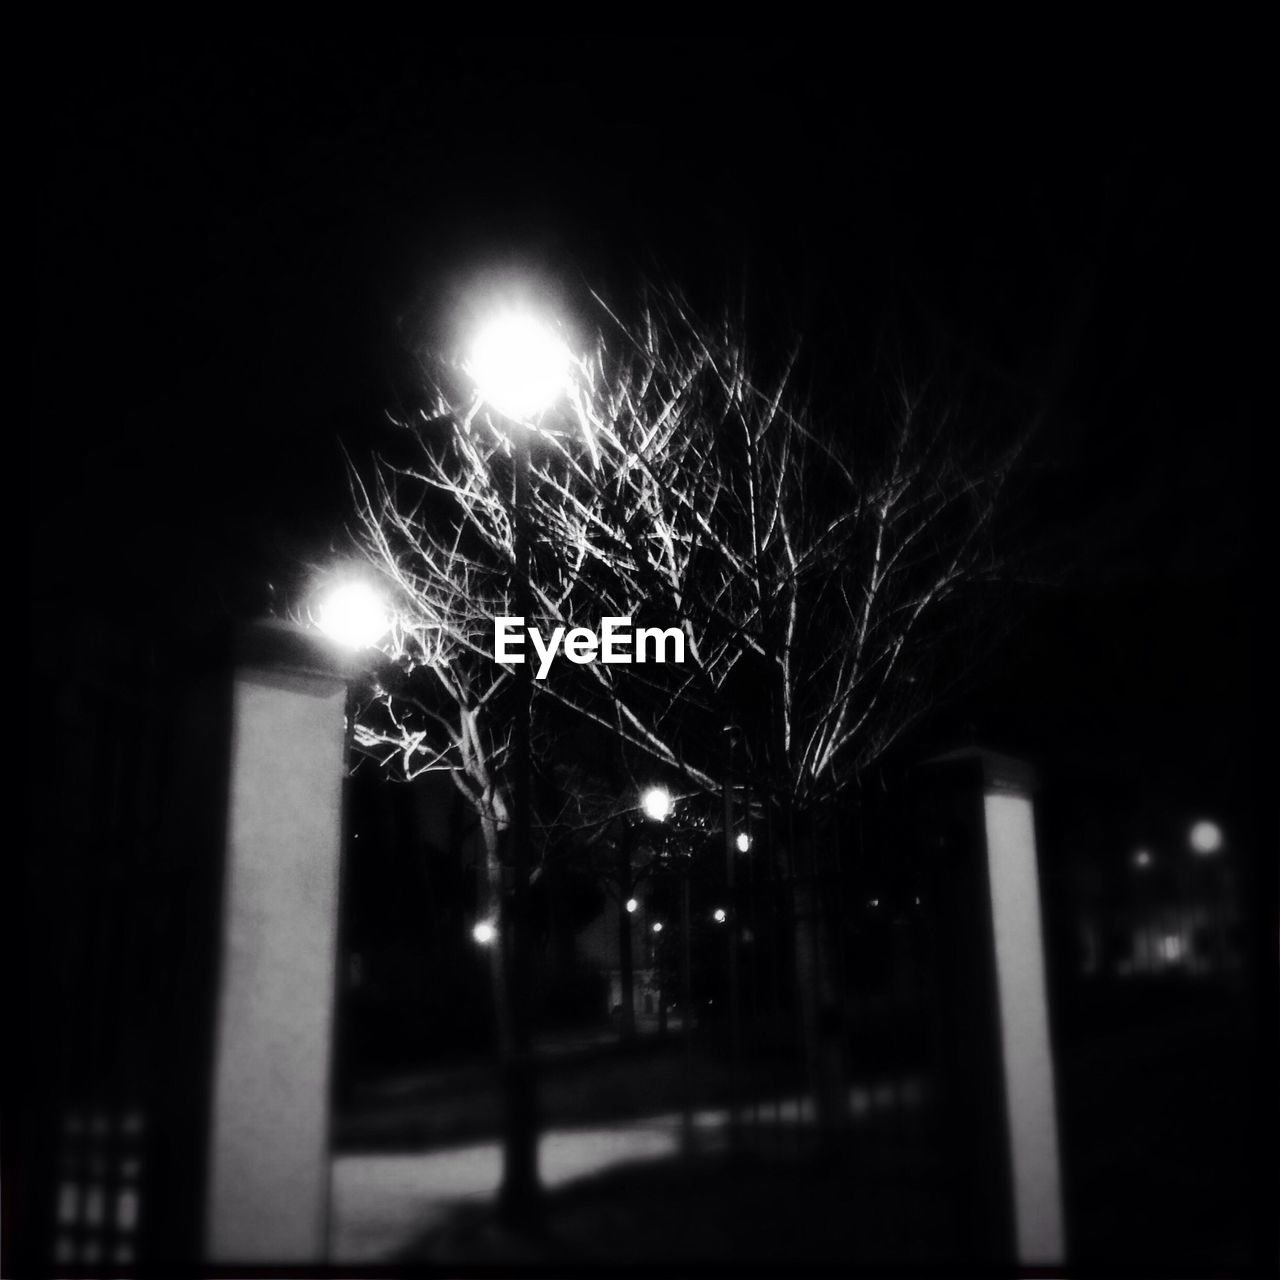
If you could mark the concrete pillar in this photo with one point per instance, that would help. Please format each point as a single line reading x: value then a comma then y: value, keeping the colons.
x: 266, y: 1181
x: 998, y: 1071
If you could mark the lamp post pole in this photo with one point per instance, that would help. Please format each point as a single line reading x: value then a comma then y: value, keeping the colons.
x: 686, y: 1008
x: 626, y: 981
x: 735, y: 1020
x: 521, y: 1193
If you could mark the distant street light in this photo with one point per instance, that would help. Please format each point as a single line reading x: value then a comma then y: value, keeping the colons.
x: 719, y: 915
x: 354, y: 615
x: 656, y: 803
x: 632, y: 904
x: 657, y: 926
x: 484, y: 932
x: 1206, y: 838
x: 744, y: 842
x: 1142, y: 859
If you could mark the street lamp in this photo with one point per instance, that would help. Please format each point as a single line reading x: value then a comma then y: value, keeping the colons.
x: 484, y: 932
x: 656, y: 803
x: 519, y: 364
x: 353, y: 614
x: 744, y: 842
x: 520, y: 368
x: 1206, y: 838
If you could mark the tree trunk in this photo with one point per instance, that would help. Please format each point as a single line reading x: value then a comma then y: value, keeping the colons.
x: 519, y: 1197
x: 494, y: 909
x: 820, y: 1013
x: 627, y: 1028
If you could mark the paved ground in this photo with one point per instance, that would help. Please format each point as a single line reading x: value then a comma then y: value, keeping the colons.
x: 383, y: 1203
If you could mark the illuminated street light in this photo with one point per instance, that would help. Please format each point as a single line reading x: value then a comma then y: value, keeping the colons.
x: 1206, y: 838
x: 744, y: 842
x: 719, y: 916
x: 354, y: 615
x: 657, y: 926
x: 656, y: 803
x: 519, y: 364
x: 632, y: 904
x: 484, y: 932
x: 1142, y: 859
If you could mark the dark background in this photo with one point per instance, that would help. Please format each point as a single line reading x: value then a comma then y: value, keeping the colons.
x: 234, y: 243
x: 237, y: 244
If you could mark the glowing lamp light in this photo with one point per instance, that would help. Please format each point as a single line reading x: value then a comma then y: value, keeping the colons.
x: 484, y: 932
x: 719, y: 916
x: 1142, y: 859
x: 744, y: 842
x: 519, y: 364
x: 632, y: 904
x: 1206, y: 838
x: 657, y: 926
x: 656, y: 803
x: 354, y: 615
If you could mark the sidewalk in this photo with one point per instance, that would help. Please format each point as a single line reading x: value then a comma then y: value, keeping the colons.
x: 382, y: 1203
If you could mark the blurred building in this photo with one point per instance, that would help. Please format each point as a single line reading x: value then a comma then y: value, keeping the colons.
x: 599, y: 945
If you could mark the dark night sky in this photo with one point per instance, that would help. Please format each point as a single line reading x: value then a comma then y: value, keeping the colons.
x: 225, y: 242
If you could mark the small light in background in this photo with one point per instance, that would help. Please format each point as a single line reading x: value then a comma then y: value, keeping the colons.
x: 632, y: 904
x: 657, y: 926
x: 484, y: 932
x: 873, y: 902
x: 1143, y: 859
x: 1206, y: 838
x: 744, y: 842
x: 656, y: 803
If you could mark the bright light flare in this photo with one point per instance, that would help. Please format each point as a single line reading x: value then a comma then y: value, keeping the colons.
x: 744, y: 842
x: 1206, y: 838
x: 719, y: 916
x: 656, y: 803
x: 483, y: 932
x: 354, y: 615
x: 632, y: 904
x: 657, y: 926
x: 519, y: 364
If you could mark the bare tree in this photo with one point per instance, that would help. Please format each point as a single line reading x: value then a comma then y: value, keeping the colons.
x: 815, y: 564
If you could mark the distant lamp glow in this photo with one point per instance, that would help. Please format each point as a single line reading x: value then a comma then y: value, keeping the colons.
x: 632, y: 904
x: 656, y: 803
x: 484, y: 932
x: 719, y: 916
x: 1206, y: 838
x: 519, y: 364
x: 744, y: 842
x: 354, y: 615
x: 1142, y: 859
x: 657, y: 926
